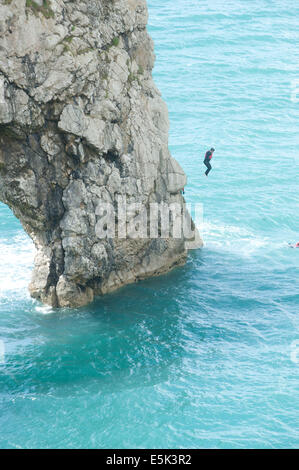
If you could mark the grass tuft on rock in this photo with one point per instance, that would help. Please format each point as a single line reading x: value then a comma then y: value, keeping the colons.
x: 45, y: 9
x: 115, y: 42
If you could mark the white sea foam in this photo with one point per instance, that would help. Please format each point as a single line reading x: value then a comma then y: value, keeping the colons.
x: 44, y: 309
x: 16, y: 262
x: 231, y: 238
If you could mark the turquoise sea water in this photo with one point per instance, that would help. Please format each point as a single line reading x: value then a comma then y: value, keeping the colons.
x: 207, y: 355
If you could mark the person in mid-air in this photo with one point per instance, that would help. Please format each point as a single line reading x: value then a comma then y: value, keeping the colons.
x: 207, y: 160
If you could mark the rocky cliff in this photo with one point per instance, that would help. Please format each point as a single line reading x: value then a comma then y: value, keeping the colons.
x: 82, y: 123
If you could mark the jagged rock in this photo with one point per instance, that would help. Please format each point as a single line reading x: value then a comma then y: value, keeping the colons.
x: 82, y: 124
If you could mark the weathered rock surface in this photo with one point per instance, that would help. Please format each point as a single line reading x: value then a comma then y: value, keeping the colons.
x: 81, y: 122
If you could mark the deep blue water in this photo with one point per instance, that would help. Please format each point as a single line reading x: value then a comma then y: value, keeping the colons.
x: 207, y: 355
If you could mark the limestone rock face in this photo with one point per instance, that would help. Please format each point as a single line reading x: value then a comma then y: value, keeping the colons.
x: 82, y: 123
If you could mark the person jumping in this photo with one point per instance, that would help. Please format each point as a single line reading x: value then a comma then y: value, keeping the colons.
x: 208, y: 158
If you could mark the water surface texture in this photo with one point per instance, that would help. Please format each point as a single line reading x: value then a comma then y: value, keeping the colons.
x: 207, y: 355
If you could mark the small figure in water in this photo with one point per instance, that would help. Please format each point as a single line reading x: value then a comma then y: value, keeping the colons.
x: 294, y: 246
x: 208, y: 158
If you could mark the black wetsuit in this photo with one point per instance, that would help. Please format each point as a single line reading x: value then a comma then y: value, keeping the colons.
x: 206, y: 161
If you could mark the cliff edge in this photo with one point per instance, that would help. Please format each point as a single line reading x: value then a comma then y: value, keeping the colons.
x: 82, y: 126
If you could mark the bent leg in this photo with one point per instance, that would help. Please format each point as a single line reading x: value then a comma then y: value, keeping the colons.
x: 208, y: 165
